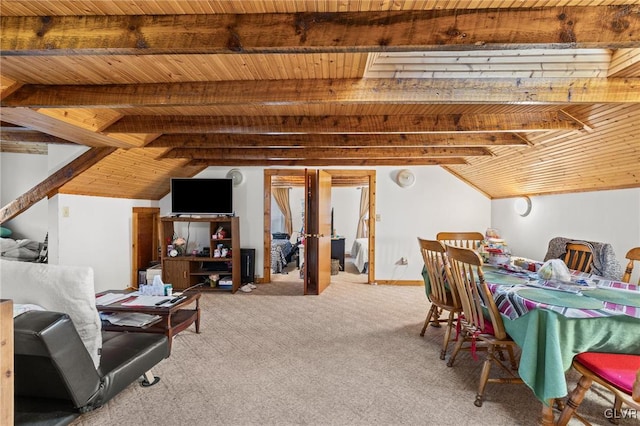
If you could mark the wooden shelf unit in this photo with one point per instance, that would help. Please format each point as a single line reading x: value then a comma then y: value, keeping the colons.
x: 187, y: 270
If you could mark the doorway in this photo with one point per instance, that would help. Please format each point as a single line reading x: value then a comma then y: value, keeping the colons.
x: 144, y: 248
x: 293, y: 177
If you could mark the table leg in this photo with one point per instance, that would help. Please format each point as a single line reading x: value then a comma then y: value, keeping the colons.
x: 198, y: 315
x: 169, y: 332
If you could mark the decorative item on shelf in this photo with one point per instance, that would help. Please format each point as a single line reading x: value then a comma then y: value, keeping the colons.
x: 219, y: 234
x: 180, y: 245
x: 212, y: 280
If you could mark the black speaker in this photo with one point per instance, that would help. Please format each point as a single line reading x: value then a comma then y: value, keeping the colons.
x: 247, y: 265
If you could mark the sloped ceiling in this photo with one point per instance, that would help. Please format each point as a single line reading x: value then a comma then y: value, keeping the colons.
x: 515, y: 98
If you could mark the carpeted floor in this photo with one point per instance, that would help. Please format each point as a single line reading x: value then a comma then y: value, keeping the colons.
x: 351, y: 356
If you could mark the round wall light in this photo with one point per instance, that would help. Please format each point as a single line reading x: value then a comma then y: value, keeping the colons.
x: 236, y: 176
x: 405, y: 178
x: 522, y: 206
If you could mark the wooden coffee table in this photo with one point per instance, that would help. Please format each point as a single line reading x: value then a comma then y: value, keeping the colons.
x: 173, y: 319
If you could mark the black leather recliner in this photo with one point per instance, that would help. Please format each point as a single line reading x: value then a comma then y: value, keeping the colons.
x: 55, y: 377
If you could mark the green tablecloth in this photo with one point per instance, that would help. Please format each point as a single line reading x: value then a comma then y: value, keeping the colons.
x: 549, y: 341
x: 427, y: 281
x: 627, y: 298
x: 498, y: 276
x: 559, y: 298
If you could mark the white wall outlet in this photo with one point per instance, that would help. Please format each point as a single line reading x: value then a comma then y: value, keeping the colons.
x: 65, y: 211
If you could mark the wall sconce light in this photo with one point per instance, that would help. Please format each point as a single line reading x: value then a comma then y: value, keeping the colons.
x: 405, y: 178
x: 236, y: 176
x: 522, y: 206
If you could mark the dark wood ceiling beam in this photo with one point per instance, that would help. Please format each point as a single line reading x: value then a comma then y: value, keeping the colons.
x: 511, y: 122
x: 370, y: 162
x: 50, y: 185
x: 215, y: 141
x: 6, y: 126
x: 319, y: 153
x: 29, y: 136
x: 24, y: 147
x: 589, y: 27
x: 328, y: 92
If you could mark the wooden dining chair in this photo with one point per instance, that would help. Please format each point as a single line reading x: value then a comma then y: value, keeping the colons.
x: 470, y: 240
x: 619, y: 373
x: 578, y: 257
x: 442, y: 295
x: 632, y: 255
x: 487, y: 331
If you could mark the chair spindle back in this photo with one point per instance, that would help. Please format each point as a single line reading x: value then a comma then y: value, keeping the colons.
x: 632, y: 255
x: 578, y: 257
x: 471, y: 240
x: 475, y: 296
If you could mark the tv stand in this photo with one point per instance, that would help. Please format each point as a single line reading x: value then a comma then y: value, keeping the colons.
x: 189, y: 270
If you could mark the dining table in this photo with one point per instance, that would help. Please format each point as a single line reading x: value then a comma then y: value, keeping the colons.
x: 552, y: 321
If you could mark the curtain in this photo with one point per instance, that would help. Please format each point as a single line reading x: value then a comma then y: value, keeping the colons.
x: 363, y: 230
x: 281, y: 195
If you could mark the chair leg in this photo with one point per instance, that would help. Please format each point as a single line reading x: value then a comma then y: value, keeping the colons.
x: 456, y: 349
x: 512, y: 358
x: 435, y: 318
x: 573, y: 402
x: 428, y: 319
x: 447, y: 335
x: 617, y: 407
x: 484, y: 375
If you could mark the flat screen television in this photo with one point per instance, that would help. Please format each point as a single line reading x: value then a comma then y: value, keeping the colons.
x: 201, y: 196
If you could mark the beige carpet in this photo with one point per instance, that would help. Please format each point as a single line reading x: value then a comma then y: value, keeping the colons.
x: 351, y: 356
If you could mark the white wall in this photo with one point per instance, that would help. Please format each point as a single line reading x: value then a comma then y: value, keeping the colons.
x: 438, y: 201
x: 97, y: 232
x: 605, y: 216
x: 19, y: 173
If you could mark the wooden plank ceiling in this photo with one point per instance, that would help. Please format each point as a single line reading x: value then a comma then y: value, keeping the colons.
x: 514, y: 97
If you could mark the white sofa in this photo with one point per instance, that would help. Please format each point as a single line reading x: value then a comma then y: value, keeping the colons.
x: 65, y: 289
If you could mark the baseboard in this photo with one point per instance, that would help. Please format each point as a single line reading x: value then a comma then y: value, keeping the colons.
x: 400, y: 282
x: 260, y: 280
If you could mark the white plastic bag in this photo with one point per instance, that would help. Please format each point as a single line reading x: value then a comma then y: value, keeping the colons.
x: 554, y: 269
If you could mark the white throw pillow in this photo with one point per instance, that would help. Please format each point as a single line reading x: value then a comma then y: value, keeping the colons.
x: 57, y: 288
